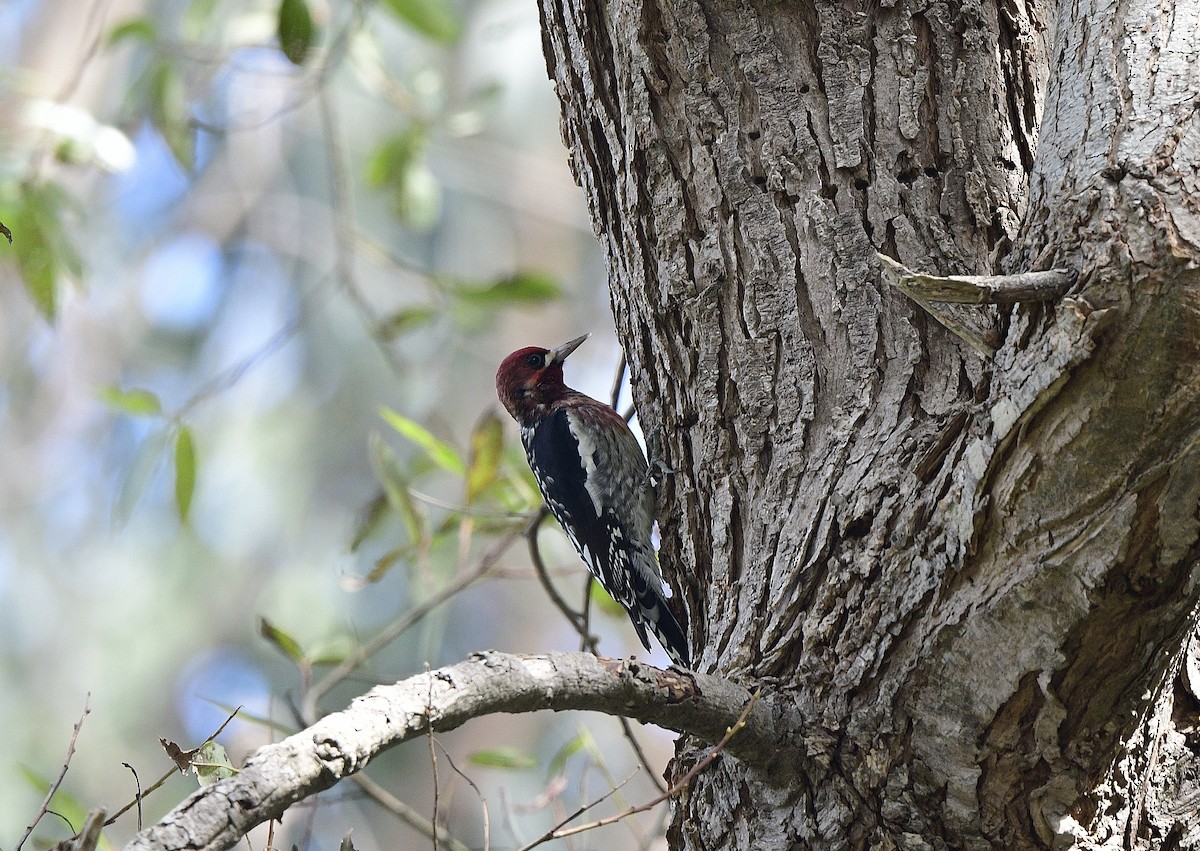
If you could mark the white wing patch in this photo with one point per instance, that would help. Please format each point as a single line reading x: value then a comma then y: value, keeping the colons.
x: 587, y: 454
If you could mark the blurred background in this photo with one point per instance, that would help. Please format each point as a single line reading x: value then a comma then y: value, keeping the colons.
x: 266, y: 257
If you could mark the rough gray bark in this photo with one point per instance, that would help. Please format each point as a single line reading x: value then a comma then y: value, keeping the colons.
x: 976, y: 577
x: 342, y: 743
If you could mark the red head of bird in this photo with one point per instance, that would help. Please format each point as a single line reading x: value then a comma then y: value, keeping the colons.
x: 531, y: 379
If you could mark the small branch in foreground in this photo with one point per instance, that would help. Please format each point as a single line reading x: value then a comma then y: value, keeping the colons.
x: 931, y: 290
x: 560, y: 831
x: 980, y: 289
x: 342, y: 743
x: 543, y: 575
x: 61, y: 775
x: 404, y: 812
x: 88, y: 838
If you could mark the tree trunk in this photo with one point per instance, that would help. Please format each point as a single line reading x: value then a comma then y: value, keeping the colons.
x: 976, y: 576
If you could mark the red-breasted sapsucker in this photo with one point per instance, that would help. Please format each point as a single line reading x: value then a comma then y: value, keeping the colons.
x: 594, y: 478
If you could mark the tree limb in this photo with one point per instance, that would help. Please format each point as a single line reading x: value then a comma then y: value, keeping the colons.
x: 342, y: 743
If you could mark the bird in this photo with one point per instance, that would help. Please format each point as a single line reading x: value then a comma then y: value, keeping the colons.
x: 595, y: 480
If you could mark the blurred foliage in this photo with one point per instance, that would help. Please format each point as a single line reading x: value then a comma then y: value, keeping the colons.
x: 264, y: 259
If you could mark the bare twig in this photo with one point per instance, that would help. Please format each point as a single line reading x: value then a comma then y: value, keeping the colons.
x: 560, y: 831
x: 487, y: 822
x: 404, y: 812
x: 399, y: 626
x: 627, y: 729
x: 931, y: 290
x: 980, y: 289
x: 618, y: 380
x: 171, y: 772
x: 539, y: 566
x: 61, y: 775
x: 88, y: 837
x: 433, y: 763
x: 553, y: 833
x: 137, y: 781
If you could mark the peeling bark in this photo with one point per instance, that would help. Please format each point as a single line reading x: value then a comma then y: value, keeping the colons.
x: 976, y: 579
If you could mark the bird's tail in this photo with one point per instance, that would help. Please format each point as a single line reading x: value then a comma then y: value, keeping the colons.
x: 653, y: 610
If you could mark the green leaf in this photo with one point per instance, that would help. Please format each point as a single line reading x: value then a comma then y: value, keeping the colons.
x: 395, y: 486
x: 559, y: 762
x: 211, y: 764
x: 283, y: 642
x: 135, y: 402
x: 440, y: 452
x: 604, y: 602
x: 504, y: 757
x: 332, y: 651
x: 389, y: 164
x: 382, y: 565
x: 399, y: 164
x: 35, y: 259
x: 36, y: 213
x: 432, y: 18
x: 369, y: 519
x: 169, y: 112
x: 295, y: 30
x: 521, y: 288
x: 185, y: 471
x: 407, y: 319
x: 487, y: 446
x: 135, y: 29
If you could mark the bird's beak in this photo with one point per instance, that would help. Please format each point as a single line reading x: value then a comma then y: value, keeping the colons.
x: 560, y: 353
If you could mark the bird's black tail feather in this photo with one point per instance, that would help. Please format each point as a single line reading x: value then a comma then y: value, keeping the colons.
x: 654, y: 611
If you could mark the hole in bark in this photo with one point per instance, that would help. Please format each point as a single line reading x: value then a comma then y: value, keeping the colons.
x: 931, y: 171
x: 804, y: 89
x: 754, y: 135
x: 908, y: 176
x: 759, y: 180
x: 860, y: 184
x: 859, y: 526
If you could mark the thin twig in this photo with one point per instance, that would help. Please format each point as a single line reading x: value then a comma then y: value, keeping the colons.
x: 61, y: 775
x: 404, y: 812
x: 560, y: 831
x: 142, y: 793
x: 615, y: 394
x: 627, y: 728
x: 137, y: 781
x: 399, y: 626
x: 539, y: 565
x: 487, y: 822
x: 432, y: 761
x: 585, y: 615
x: 552, y: 832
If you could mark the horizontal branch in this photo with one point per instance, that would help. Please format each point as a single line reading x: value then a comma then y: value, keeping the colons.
x: 342, y: 743
x: 979, y: 289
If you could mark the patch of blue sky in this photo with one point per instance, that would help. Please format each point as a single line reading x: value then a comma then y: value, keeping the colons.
x: 225, y: 676
x: 183, y: 281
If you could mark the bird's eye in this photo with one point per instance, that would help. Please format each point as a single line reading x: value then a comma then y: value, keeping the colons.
x: 535, y: 361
